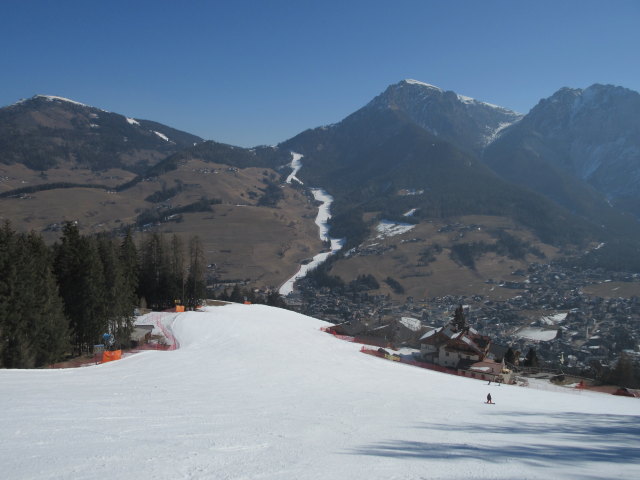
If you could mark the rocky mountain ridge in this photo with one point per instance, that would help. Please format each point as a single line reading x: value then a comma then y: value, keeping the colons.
x: 591, y: 134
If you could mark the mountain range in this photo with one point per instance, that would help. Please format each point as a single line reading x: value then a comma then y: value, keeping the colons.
x: 561, y: 179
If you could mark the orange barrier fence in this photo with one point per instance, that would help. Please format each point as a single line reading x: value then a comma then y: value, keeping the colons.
x: 110, y: 356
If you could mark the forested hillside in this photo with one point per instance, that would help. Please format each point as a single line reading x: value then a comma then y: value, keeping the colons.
x: 59, y: 300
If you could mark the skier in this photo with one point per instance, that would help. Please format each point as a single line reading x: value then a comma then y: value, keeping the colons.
x: 489, y: 398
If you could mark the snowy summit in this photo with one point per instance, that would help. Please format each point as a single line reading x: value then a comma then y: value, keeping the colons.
x: 259, y: 392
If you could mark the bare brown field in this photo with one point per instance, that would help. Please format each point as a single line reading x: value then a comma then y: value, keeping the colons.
x: 18, y: 176
x: 94, y: 210
x: 614, y: 289
x: 264, y: 245
x: 261, y: 244
x: 442, y: 276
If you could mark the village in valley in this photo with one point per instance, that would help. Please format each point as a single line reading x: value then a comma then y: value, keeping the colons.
x: 551, y: 326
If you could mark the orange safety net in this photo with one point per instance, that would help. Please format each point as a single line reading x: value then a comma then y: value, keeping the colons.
x: 110, y: 356
x: 179, y: 308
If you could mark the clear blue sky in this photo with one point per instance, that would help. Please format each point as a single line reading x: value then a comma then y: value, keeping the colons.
x: 258, y: 72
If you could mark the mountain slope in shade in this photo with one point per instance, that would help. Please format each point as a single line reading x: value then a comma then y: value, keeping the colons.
x: 369, y: 157
x: 46, y: 131
x: 258, y: 392
x: 590, y: 135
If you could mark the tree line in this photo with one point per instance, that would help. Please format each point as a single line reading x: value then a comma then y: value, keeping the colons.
x: 59, y: 300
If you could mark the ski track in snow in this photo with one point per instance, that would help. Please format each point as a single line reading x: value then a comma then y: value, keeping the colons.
x: 296, y: 165
x: 259, y: 392
x: 322, y: 220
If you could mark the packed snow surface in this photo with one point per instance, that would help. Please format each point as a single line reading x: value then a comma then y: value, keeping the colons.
x: 258, y: 392
x: 388, y: 228
x: 411, y: 323
x: 161, y: 135
x: 553, y: 319
x: 410, y: 213
x: 133, y: 121
x: 296, y: 165
x: 540, y: 334
x: 322, y: 220
x: 53, y: 98
x: 411, y: 81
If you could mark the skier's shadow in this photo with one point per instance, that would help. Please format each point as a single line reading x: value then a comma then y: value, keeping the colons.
x: 570, y: 438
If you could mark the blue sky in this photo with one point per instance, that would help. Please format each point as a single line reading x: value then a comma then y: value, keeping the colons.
x: 258, y: 72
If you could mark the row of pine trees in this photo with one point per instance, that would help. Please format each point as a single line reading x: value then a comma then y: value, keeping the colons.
x: 59, y: 300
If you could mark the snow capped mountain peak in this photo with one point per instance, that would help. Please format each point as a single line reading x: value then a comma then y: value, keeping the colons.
x: 411, y: 81
x: 456, y: 118
x: 53, y: 98
x: 57, y: 99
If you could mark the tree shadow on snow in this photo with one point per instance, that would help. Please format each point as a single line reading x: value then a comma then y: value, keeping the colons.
x: 568, y: 439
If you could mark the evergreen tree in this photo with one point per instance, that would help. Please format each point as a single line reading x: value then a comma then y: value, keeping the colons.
x: 130, y: 268
x: 33, y: 329
x: 274, y: 299
x: 510, y: 357
x: 236, y: 294
x: 154, y: 272
x: 196, y: 286
x: 80, y: 275
x: 459, y: 321
x: 176, y: 270
x: 51, y: 327
x: 623, y: 373
x: 224, y: 296
x: 531, y: 360
x: 8, y: 281
x: 118, y: 296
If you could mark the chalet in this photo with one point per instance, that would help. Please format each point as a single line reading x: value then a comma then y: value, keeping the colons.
x: 459, y: 346
x: 455, y: 342
x: 446, y: 346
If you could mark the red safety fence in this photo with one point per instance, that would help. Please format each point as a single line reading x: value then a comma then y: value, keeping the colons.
x: 156, y: 318
x: 428, y: 366
x: 152, y: 346
x: 374, y: 342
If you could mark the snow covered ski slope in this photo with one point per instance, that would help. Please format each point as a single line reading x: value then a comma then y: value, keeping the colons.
x: 256, y: 392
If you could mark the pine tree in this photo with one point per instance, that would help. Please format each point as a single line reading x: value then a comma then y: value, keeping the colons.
x: 459, y: 320
x: 33, y: 329
x: 130, y: 268
x: 531, y: 360
x: 176, y: 270
x: 510, y: 357
x: 275, y: 299
x: 196, y: 286
x: 117, y: 291
x: 623, y: 373
x: 80, y: 276
x: 236, y: 295
x: 154, y: 272
x: 51, y: 327
x: 10, y: 318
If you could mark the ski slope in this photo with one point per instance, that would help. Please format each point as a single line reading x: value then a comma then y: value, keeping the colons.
x: 256, y: 392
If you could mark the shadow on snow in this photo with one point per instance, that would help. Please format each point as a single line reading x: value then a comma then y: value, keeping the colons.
x: 568, y: 439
